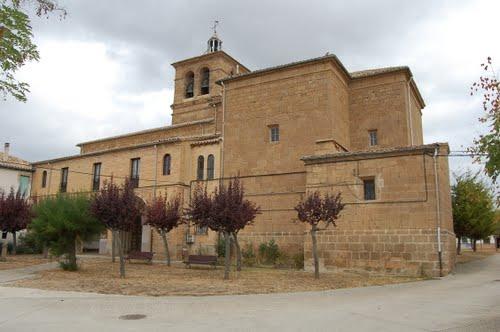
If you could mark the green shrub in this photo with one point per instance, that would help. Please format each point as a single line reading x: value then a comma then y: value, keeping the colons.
x: 221, y: 246
x: 248, y: 255
x: 10, y: 247
x: 28, y: 244
x: 68, y: 266
x: 283, y: 261
x: 269, y: 252
x: 298, y: 261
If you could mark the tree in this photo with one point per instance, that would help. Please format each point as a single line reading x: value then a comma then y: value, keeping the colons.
x: 164, y: 216
x: 314, y: 210
x: 60, y: 221
x: 117, y: 208
x: 242, y: 212
x: 15, y: 214
x: 225, y: 211
x: 16, y: 44
x: 489, y: 144
x: 472, y: 207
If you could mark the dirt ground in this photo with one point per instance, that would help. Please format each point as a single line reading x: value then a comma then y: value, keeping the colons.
x: 102, y: 276
x: 468, y: 255
x: 18, y: 261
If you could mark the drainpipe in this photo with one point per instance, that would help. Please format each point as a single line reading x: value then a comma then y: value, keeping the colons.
x: 438, y: 211
x: 408, y: 110
x: 221, y: 176
x: 156, y: 171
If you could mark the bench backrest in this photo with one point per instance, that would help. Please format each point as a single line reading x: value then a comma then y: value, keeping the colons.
x: 140, y: 254
x: 202, y: 258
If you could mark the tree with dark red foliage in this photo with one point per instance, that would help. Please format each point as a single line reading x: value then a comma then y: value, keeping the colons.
x: 117, y: 208
x: 314, y: 210
x: 15, y: 214
x: 487, y: 147
x: 164, y: 216
x: 225, y: 211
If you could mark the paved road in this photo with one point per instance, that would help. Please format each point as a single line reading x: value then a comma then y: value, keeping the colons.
x: 466, y: 301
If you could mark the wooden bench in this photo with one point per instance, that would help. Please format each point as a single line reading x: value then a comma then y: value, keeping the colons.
x: 140, y: 255
x: 201, y: 260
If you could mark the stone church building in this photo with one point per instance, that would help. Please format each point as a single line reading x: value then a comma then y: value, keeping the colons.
x: 287, y: 130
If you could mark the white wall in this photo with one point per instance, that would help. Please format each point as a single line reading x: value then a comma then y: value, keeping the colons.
x: 10, y: 178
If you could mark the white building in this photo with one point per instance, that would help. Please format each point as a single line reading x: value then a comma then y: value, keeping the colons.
x: 14, y: 173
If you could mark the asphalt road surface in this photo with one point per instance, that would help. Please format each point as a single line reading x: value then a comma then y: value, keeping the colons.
x: 468, y: 300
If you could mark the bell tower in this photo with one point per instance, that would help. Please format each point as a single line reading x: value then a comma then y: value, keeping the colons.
x: 214, y: 44
x: 197, y: 95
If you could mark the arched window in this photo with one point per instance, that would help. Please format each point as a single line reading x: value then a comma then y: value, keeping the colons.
x: 205, y: 81
x: 166, y: 164
x: 190, y: 85
x: 199, y: 170
x: 210, y: 167
x: 44, y: 179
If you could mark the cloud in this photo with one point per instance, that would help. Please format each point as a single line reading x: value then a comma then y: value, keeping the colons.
x: 105, y: 69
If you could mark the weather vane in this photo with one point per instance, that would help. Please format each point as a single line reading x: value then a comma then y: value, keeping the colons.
x: 214, y: 27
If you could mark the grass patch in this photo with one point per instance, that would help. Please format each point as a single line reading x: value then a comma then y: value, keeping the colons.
x: 102, y: 276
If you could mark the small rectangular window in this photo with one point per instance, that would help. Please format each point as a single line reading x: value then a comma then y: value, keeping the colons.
x: 369, y: 189
x: 274, y: 132
x: 134, y: 171
x: 96, y: 177
x: 201, y: 230
x: 64, y: 179
x: 373, y: 137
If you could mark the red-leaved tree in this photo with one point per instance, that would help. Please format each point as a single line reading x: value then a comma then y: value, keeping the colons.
x: 487, y: 146
x: 315, y: 210
x: 164, y: 216
x: 117, y: 208
x: 15, y: 214
x: 225, y: 211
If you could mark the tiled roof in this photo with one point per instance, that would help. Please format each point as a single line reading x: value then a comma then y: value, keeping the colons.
x: 291, y: 64
x: 377, y: 71
x: 183, y: 124
x: 167, y: 140
x: 14, y: 163
x: 374, y: 153
x: 352, y: 75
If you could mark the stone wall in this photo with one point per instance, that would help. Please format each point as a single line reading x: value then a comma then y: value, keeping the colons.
x: 396, y: 232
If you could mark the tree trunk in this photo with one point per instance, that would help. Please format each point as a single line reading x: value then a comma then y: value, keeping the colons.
x: 315, y: 252
x: 474, y: 245
x: 227, y: 255
x: 120, y: 253
x: 14, y: 243
x: 165, y: 244
x: 459, y: 245
x: 113, y: 245
x: 238, y: 251
x: 72, y: 256
x: 3, y: 251
x: 45, y: 251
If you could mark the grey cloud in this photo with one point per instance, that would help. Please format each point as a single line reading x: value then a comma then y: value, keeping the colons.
x: 364, y: 34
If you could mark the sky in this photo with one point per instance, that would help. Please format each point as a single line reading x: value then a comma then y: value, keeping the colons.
x: 105, y: 68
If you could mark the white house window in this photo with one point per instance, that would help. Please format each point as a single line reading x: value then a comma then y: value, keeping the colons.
x: 373, y: 137
x: 274, y: 132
